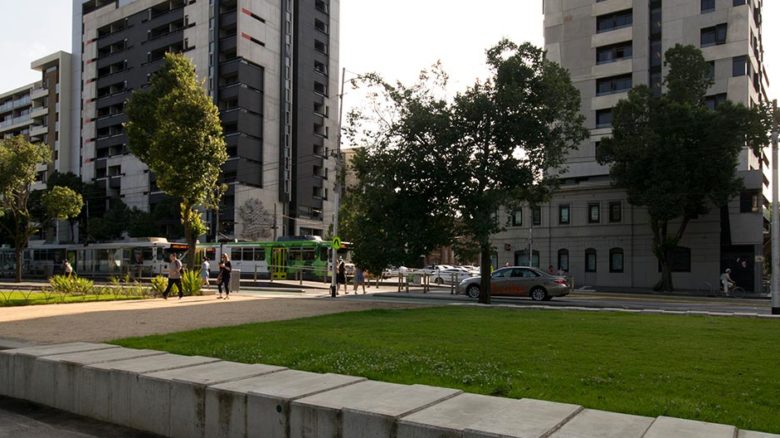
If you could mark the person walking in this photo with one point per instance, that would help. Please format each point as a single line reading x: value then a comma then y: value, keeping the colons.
x: 204, y: 272
x: 174, y: 276
x: 360, y: 280
x: 67, y: 268
x: 225, y: 268
x: 341, y: 277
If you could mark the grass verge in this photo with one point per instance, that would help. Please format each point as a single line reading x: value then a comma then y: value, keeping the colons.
x: 32, y: 298
x: 716, y: 369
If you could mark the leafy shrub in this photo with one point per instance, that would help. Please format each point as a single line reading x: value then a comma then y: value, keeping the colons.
x: 159, y: 283
x: 192, y: 282
x: 71, y: 285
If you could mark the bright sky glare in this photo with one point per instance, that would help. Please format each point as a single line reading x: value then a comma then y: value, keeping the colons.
x: 396, y: 39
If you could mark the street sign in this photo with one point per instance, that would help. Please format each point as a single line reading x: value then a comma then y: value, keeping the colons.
x: 336, y: 243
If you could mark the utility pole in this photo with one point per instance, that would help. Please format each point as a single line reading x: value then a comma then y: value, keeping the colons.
x: 334, y: 259
x: 775, y: 216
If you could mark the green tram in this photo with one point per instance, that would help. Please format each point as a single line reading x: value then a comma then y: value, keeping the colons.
x: 287, y: 258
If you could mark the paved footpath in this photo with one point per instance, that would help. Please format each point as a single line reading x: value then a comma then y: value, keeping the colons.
x: 103, y: 321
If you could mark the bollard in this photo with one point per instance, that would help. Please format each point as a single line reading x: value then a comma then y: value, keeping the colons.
x: 300, y: 277
x: 255, y: 275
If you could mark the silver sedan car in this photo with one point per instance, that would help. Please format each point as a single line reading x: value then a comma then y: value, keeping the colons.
x: 519, y: 281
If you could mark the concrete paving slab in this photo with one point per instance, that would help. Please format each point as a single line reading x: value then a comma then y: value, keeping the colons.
x: 16, y: 365
x: 665, y: 427
x: 173, y: 402
x: 121, y: 378
x: 600, y: 424
x: 260, y: 406
x: 472, y: 415
x: 753, y: 434
x: 364, y: 410
x: 58, y: 377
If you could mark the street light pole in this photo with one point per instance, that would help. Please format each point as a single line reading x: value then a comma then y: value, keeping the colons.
x: 775, y: 216
x: 334, y: 259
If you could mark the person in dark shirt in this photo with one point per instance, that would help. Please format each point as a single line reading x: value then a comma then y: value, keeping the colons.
x: 225, y: 268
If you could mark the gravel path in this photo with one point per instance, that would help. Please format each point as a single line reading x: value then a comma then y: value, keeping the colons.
x: 104, y: 321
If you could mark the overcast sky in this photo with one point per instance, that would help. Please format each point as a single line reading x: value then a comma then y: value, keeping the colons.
x: 396, y: 38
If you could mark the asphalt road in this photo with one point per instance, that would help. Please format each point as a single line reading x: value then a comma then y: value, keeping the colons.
x: 599, y: 300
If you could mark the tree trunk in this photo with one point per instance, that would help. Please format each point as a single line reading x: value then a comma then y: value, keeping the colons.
x: 484, y: 289
x: 18, y: 253
x: 665, y: 283
x: 186, y: 212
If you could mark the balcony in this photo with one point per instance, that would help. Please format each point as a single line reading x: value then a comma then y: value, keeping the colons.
x: 37, y: 130
x: 39, y: 92
x: 39, y: 111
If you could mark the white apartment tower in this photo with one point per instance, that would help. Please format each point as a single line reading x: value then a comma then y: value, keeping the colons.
x: 589, y: 229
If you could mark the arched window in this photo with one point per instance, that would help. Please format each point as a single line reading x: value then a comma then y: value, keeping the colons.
x: 563, y: 260
x: 590, y: 260
x: 616, y: 260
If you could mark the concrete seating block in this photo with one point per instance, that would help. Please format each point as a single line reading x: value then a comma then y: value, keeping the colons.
x: 471, y: 415
x: 601, y: 424
x: 58, y: 378
x: 16, y: 366
x: 173, y: 402
x: 364, y: 410
x: 120, y: 378
x: 260, y: 406
x: 664, y: 427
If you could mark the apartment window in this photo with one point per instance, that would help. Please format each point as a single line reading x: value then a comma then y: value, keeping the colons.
x: 320, y: 88
x: 614, y: 21
x: 320, y: 26
x: 536, y: 215
x: 739, y: 2
x: 590, y: 260
x: 594, y: 213
x: 564, y: 212
x: 614, y: 84
x: 517, y: 218
x: 615, y: 52
x: 320, y: 46
x: 707, y: 5
x: 604, y: 118
x: 616, y: 260
x: 748, y: 201
x: 615, y: 212
x: 712, y: 102
x: 320, y: 68
x: 739, y: 66
x: 563, y: 260
x: 715, y: 35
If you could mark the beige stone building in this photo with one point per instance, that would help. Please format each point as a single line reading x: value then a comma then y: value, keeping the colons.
x: 589, y: 229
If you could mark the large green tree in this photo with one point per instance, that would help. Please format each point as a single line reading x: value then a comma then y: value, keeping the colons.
x: 497, y: 144
x: 18, y: 160
x: 62, y: 204
x: 174, y: 127
x: 674, y: 155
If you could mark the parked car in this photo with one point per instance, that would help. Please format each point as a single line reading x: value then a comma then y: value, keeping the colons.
x: 519, y: 281
x: 393, y: 271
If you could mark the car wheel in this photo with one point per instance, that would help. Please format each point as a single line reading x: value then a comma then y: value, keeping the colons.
x: 439, y: 280
x: 538, y: 294
x: 473, y: 291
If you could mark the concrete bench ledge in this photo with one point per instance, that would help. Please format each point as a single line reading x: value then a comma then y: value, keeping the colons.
x: 193, y: 396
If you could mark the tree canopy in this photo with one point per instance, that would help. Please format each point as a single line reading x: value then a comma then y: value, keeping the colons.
x: 676, y: 156
x: 18, y: 161
x: 174, y: 127
x: 456, y: 162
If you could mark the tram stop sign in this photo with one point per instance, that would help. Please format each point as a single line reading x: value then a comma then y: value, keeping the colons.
x: 336, y: 243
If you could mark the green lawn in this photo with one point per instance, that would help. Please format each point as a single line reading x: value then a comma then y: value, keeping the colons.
x: 723, y: 370
x: 27, y: 298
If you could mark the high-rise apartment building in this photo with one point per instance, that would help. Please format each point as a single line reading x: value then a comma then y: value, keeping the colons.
x: 41, y: 112
x: 271, y: 67
x: 589, y: 229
